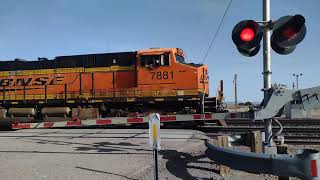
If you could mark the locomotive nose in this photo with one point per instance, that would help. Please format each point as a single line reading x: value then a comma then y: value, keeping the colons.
x: 203, y: 79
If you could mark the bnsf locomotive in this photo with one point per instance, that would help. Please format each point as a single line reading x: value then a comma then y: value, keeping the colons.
x: 156, y: 79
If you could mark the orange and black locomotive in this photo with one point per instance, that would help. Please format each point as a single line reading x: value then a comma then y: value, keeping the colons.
x: 156, y: 79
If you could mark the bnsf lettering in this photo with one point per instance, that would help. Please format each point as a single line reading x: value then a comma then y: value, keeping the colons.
x: 23, y: 82
x: 31, y: 81
x: 56, y: 80
x: 41, y: 81
x: 6, y: 82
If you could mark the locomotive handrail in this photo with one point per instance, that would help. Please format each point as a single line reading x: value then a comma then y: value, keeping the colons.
x: 124, y: 93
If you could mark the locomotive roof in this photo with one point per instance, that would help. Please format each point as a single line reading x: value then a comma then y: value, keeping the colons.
x: 84, y: 60
x: 98, y: 54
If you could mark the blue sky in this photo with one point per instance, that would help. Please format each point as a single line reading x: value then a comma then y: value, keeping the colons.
x: 39, y: 28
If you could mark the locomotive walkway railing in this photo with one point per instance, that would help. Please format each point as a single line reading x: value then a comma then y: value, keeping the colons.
x: 12, y: 94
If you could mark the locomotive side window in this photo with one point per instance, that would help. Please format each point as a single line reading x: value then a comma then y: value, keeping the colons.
x: 154, y: 60
x: 151, y: 61
x: 142, y: 61
x: 157, y: 61
x: 165, y: 59
x: 147, y: 61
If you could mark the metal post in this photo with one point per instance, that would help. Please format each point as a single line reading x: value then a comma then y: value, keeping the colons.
x: 266, y: 49
x: 292, y: 85
x: 155, y: 153
x: 4, y: 95
x: 268, y: 130
x: 80, y: 84
x: 297, y: 81
x: 216, y: 100
x: 202, y: 103
x: 46, y: 94
x: 65, y: 93
x: 235, y: 90
x: 24, y: 93
x: 266, y: 63
x: 92, y: 85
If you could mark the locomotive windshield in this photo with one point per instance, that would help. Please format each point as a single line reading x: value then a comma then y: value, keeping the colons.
x: 180, y: 59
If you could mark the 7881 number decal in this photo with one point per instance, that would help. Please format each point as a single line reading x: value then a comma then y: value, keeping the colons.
x: 162, y: 75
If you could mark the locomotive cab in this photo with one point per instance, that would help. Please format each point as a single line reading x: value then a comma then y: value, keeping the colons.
x: 164, y: 70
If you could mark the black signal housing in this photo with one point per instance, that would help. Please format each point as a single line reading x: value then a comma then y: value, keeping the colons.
x: 247, y: 36
x: 288, y: 31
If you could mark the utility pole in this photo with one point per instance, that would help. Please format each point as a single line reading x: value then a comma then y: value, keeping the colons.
x: 266, y: 64
x: 297, y: 79
x: 235, y: 90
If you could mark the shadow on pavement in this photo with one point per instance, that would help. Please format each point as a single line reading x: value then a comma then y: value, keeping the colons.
x: 83, y: 148
x: 97, y: 146
x: 109, y: 147
x: 87, y: 137
x: 105, y: 172
x: 178, y: 164
x: 67, y: 152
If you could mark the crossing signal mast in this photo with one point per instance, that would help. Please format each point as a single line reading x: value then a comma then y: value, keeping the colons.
x: 287, y: 33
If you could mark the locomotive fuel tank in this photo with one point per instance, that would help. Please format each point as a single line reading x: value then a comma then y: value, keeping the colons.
x: 55, y: 111
x: 22, y: 112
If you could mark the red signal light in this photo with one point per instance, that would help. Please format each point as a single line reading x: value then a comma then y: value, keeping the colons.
x: 289, y: 32
x: 247, y: 34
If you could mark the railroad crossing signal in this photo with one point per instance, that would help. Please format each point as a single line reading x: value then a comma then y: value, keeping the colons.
x: 247, y: 35
x: 288, y: 31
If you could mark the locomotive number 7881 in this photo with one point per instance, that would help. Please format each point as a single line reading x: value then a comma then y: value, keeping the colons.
x: 162, y: 75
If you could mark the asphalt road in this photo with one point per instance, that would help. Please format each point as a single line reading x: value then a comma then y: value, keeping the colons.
x: 95, y: 154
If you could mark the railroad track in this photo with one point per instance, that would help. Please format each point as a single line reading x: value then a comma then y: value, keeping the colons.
x: 302, y: 140
x: 284, y: 122
x: 299, y: 132
x: 243, y: 129
x: 244, y: 125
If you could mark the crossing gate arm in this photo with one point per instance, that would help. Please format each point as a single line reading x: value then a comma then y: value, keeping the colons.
x: 117, y: 121
x: 304, y: 165
x: 280, y: 96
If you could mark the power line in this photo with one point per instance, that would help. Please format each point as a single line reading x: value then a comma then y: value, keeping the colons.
x: 216, y: 33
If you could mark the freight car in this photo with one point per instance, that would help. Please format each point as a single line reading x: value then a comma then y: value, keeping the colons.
x: 156, y: 79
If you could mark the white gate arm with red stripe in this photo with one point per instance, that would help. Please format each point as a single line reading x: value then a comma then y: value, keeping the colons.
x: 119, y: 121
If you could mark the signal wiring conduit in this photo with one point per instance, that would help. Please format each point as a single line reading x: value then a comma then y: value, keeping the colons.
x: 278, y: 133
